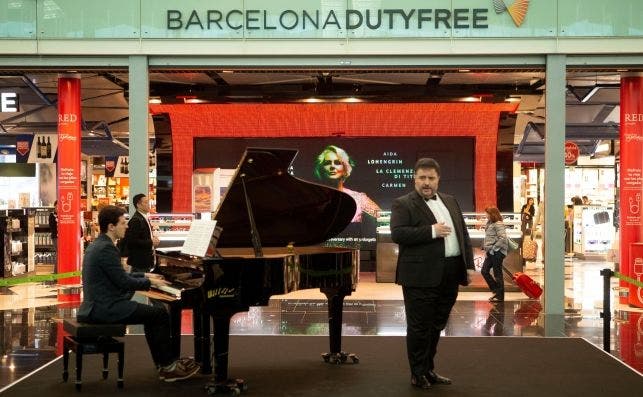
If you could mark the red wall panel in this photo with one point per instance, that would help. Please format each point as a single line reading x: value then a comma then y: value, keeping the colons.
x: 479, y: 120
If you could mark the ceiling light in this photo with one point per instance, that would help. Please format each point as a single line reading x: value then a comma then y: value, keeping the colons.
x: 622, y: 70
x: 590, y: 94
x: 154, y: 100
x: 464, y: 70
x: 227, y: 71
x: 312, y: 100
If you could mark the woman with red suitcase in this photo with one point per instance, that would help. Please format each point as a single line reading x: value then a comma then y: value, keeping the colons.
x: 495, y: 245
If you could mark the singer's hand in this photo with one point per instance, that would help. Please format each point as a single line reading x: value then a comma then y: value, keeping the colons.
x: 441, y: 229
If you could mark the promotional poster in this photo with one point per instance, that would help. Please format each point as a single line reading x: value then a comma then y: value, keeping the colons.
x: 373, y: 171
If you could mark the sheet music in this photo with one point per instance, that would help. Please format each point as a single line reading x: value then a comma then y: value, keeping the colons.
x: 199, y: 237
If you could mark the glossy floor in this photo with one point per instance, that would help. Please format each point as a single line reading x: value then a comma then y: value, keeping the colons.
x: 30, y: 317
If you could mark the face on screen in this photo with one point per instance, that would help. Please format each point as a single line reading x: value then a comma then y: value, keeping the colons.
x: 333, y: 166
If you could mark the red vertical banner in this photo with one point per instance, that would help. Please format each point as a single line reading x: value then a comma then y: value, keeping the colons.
x: 69, y: 116
x: 631, y: 177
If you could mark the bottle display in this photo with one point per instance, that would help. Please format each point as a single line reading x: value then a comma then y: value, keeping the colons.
x: 48, y: 148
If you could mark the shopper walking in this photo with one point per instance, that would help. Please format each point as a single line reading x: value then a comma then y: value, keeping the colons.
x: 495, y: 247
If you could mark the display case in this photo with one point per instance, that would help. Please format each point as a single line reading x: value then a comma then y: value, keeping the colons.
x: 592, y: 230
x: 15, y: 242
x: 387, y: 250
x: 42, y: 253
x: 171, y: 229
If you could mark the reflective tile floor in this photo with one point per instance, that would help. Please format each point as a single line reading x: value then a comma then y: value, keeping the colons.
x: 30, y: 317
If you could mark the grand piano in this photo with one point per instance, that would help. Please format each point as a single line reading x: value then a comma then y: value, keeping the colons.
x: 272, y: 227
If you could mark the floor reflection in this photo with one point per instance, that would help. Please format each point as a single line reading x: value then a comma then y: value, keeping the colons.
x: 30, y: 336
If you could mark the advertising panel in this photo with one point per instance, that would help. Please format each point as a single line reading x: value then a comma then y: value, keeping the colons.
x: 374, y: 171
x: 69, y: 116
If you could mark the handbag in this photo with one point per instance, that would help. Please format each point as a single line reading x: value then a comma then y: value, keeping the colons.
x: 512, y: 245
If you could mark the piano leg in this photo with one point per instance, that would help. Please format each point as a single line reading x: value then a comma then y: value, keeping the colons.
x: 201, y: 326
x: 175, y: 328
x: 221, y: 384
x: 335, y: 298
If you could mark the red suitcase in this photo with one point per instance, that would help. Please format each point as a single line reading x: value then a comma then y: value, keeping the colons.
x: 526, y: 284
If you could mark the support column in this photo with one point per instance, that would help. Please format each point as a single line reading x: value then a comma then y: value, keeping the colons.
x: 555, y: 189
x: 631, y: 188
x: 69, y: 240
x: 138, y: 128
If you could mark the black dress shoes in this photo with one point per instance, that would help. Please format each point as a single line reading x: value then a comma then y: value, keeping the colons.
x: 420, y: 382
x: 436, y: 379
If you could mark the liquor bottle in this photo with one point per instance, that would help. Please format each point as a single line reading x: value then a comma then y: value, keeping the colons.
x: 126, y: 167
x: 38, y: 148
x: 122, y: 167
x: 43, y: 149
x: 48, y: 148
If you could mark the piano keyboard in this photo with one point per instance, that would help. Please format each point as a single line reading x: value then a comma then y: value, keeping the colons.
x: 175, y: 292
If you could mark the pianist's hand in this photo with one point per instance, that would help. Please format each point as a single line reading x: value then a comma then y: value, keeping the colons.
x: 156, y: 279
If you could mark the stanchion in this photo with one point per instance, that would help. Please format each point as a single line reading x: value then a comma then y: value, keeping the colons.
x: 606, y: 314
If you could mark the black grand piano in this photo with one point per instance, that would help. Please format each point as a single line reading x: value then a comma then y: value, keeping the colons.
x: 271, y: 224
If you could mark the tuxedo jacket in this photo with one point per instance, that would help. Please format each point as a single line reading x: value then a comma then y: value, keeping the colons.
x: 138, y: 243
x: 420, y: 258
x: 107, y: 288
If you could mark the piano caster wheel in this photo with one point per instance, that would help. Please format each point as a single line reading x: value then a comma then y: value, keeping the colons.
x: 339, y: 358
x: 231, y: 387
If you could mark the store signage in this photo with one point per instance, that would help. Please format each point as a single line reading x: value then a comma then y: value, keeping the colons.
x: 36, y: 148
x: 9, y: 102
x: 68, y: 175
x: 349, y: 19
x: 517, y: 10
x: 571, y: 152
x: 631, y: 182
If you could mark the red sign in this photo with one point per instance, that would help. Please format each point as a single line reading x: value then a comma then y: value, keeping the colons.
x: 69, y: 175
x: 631, y: 183
x: 22, y: 147
x: 110, y: 165
x: 571, y: 152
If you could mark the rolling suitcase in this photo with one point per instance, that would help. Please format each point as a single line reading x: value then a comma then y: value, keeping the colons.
x: 526, y: 284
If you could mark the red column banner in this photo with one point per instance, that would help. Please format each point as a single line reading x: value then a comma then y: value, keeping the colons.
x: 69, y: 116
x: 631, y: 178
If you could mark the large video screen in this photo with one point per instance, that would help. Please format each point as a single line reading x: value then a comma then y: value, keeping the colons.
x: 373, y: 170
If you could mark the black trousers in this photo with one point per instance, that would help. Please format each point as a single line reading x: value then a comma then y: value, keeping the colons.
x: 427, y: 312
x: 496, y: 283
x: 156, y: 324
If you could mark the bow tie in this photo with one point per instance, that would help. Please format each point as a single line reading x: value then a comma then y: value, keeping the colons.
x: 434, y: 197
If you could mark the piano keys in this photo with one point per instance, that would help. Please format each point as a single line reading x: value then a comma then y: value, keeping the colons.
x: 271, y: 224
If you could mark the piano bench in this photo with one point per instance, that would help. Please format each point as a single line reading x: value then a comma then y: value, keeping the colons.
x: 87, y: 338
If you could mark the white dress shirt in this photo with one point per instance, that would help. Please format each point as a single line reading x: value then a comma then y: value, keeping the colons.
x: 441, y: 213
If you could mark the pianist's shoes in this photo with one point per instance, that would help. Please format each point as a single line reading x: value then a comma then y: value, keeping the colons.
x: 178, y: 370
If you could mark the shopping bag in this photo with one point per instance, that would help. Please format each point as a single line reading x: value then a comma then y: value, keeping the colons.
x: 529, y: 249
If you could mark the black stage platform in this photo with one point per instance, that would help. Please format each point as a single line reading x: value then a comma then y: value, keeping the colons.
x: 291, y: 366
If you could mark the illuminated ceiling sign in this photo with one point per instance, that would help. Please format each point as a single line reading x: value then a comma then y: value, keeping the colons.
x: 517, y: 10
x: 9, y: 102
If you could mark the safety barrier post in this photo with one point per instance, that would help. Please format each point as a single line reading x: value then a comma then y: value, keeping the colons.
x: 606, y: 314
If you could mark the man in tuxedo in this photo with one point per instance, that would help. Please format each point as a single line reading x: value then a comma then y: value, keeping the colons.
x: 435, y: 256
x: 139, y: 240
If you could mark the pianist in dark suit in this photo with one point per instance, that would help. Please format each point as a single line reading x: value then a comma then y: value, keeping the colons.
x: 107, y: 293
x: 139, y: 240
x: 435, y: 256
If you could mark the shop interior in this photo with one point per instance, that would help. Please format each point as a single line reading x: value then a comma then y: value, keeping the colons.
x: 592, y: 114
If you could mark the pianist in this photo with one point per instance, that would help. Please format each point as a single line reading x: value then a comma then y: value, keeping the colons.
x: 107, y: 290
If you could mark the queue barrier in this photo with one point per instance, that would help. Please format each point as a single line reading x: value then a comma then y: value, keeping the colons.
x: 606, y: 314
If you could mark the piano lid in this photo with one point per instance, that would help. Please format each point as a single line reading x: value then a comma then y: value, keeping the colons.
x: 286, y: 209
